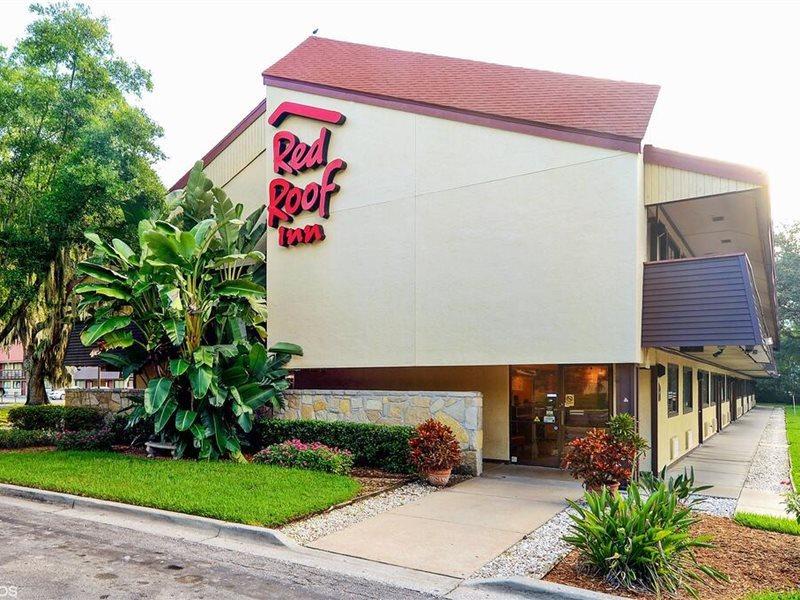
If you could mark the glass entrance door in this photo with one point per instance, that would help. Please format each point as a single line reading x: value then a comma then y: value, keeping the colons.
x: 536, y: 415
x: 552, y: 405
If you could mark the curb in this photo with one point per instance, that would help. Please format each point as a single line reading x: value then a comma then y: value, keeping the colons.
x: 205, y: 525
x: 535, y: 589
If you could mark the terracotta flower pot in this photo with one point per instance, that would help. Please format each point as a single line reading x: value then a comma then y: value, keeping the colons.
x: 438, y: 478
x: 613, y: 487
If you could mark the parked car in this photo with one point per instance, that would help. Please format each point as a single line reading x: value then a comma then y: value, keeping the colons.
x: 56, y: 394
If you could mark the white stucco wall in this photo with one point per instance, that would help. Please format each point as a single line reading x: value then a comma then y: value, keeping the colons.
x: 454, y: 244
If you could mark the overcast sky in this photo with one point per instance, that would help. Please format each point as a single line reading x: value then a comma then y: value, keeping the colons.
x: 728, y: 71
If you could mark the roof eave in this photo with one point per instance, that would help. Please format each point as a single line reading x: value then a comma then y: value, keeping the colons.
x: 577, y: 136
x: 226, y: 141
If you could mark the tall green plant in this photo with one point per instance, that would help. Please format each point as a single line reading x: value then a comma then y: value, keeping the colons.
x: 188, y: 311
x: 640, y: 544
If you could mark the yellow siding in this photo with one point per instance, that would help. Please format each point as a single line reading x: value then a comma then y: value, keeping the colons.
x: 241, y: 152
x: 678, y: 425
x: 665, y: 184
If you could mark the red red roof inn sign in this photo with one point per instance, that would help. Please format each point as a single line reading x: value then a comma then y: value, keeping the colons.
x: 290, y: 156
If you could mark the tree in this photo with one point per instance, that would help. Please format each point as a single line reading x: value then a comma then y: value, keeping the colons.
x: 75, y: 154
x: 194, y: 294
x: 787, y: 271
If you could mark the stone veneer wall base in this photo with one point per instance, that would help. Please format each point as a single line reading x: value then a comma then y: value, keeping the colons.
x: 110, y: 399
x: 461, y: 411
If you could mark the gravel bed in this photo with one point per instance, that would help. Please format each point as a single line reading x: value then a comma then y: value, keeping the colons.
x: 769, y: 471
x: 535, y: 554
x: 713, y: 505
x: 320, y: 525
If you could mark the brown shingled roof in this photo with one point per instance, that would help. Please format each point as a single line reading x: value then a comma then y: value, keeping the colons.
x: 572, y: 102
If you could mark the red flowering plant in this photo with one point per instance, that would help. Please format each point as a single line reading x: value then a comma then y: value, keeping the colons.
x: 599, y: 459
x: 434, y: 447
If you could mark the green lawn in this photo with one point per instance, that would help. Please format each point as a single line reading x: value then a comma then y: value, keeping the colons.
x: 4, y: 413
x: 773, y: 596
x: 244, y: 493
x: 768, y: 523
x: 793, y: 433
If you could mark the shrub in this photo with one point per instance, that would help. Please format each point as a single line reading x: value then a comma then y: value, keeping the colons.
x: 598, y: 459
x: 434, y: 447
x: 98, y: 439
x: 45, y: 417
x: 83, y: 418
x: 683, y: 485
x: 314, y: 456
x: 642, y: 545
x: 126, y: 434
x: 378, y: 446
x: 20, y: 438
x: 56, y: 418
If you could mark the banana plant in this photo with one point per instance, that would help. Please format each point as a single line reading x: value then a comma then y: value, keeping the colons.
x: 187, y: 313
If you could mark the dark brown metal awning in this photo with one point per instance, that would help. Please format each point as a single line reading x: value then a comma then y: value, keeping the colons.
x: 705, y: 301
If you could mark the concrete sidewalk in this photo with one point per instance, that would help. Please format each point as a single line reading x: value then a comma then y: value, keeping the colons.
x: 723, y: 461
x: 457, y: 530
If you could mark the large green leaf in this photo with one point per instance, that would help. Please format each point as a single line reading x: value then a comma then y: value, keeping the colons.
x: 198, y: 432
x: 219, y: 393
x: 255, y: 395
x: 111, y: 290
x: 178, y: 366
x: 220, y: 432
x: 200, y: 378
x: 204, y: 355
x: 121, y: 338
x: 287, y: 348
x: 102, y: 327
x: 184, y: 419
x: 156, y: 393
x: 170, y: 298
x: 245, y: 421
x: 200, y: 230
x: 123, y: 250
x: 257, y: 360
x: 175, y: 329
x: 234, y: 376
x: 163, y: 248
x: 163, y: 416
x: 186, y: 244
x: 240, y: 287
x: 100, y: 272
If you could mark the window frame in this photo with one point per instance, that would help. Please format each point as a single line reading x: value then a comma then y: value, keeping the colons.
x: 672, y: 367
x: 687, y: 378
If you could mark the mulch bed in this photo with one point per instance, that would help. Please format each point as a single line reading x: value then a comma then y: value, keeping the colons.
x: 375, y: 481
x: 754, y: 560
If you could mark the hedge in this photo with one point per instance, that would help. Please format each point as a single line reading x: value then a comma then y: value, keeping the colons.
x: 56, y: 418
x: 17, y: 438
x: 378, y: 446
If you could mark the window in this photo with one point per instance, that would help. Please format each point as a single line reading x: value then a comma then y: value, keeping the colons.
x: 672, y: 390
x: 688, y: 390
x: 702, y: 386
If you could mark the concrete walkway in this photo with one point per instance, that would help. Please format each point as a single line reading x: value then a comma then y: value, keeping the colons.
x: 723, y: 461
x: 457, y: 530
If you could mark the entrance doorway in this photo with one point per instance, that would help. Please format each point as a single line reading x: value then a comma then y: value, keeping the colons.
x: 551, y: 405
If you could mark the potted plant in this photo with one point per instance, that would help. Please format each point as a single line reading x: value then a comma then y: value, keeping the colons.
x: 599, y: 459
x: 435, y: 451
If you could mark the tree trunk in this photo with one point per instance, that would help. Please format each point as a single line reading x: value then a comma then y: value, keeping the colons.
x: 37, y: 394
